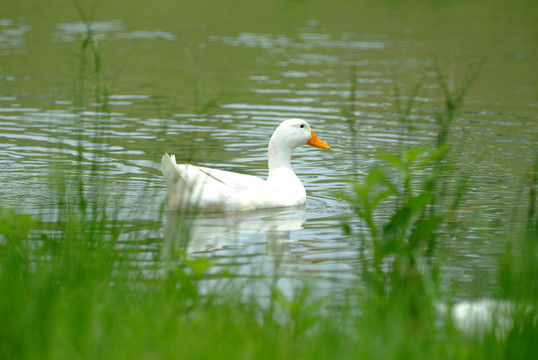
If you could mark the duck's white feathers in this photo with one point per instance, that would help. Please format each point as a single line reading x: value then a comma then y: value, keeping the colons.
x: 208, y: 189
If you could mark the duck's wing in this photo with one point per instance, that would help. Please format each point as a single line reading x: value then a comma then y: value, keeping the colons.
x: 231, y: 179
x: 191, y: 175
x: 203, y: 187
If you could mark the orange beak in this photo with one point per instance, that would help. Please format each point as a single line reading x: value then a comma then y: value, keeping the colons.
x: 315, y: 141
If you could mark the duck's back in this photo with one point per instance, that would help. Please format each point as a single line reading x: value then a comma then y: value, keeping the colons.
x: 207, y: 189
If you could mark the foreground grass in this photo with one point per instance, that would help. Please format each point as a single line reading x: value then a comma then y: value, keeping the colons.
x: 72, y: 296
x: 68, y: 292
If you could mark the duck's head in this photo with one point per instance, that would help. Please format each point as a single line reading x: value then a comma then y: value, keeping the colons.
x: 296, y: 132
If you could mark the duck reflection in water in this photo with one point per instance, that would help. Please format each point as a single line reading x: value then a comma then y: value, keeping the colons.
x: 194, y: 233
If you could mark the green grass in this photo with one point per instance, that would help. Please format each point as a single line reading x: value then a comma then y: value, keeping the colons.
x: 67, y: 291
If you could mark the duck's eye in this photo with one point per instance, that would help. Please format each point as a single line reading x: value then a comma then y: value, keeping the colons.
x: 302, y: 126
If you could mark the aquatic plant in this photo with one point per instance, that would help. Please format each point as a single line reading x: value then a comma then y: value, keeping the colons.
x: 408, y: 203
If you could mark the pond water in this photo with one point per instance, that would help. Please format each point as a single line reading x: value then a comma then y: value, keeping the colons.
x: 210, y: 82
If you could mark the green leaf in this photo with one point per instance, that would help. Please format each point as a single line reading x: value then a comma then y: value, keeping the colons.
x: 393, y: 160
x: 426, y: 227
x: 419, y: 202
x: 439, y: 152
x: 393, y: 231
x: 381, y: 196
x: 15, y: 225
x: 412, y: 154
x: 347, y: 229
x: 198, y: 265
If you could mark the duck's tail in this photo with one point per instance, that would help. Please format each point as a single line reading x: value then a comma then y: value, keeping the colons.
x: 170, y: 171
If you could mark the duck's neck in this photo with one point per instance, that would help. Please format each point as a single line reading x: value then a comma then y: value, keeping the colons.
x: 279, y: 161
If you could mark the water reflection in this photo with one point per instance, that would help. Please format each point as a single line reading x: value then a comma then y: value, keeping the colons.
x: 12, y: 34
x: 209, y: 232
x: 70, y: 32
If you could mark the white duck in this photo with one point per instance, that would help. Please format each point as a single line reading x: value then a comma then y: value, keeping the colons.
x: 207, y: 189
